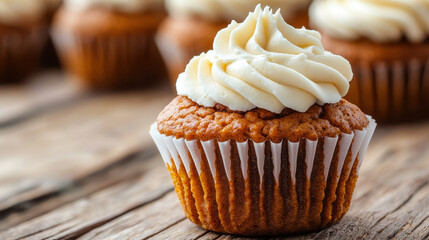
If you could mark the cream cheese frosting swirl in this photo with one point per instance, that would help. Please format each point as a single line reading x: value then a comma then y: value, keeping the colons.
x: 227, y: 10
x: 15, y: 11
x: 265, y: 63
x: 128, y: 6
x: 377, y: 20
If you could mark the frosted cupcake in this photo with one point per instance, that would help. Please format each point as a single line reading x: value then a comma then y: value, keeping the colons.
x: 21, y: 38
x: 193, y: 24
x: 109, y: 44
x: 259, y: 141
x: 387, y: 45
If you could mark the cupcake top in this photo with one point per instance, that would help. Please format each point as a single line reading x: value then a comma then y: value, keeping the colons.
x: 227, y: 10
x: 184, y: 118
x: 16, y: 11
x: 376, y: 20
x: 265, y: 63
x: 127, y: 6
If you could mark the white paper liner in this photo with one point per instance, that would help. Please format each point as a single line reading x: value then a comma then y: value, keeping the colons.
x: 180, y: 150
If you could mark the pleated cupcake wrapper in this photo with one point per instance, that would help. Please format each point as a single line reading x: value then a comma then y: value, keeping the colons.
x: 391, y: 91
x: 110, y: 61
x: 19, y: 53
x: 310, y: 187
x: 180, y: 150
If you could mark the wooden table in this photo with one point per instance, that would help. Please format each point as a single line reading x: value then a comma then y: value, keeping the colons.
x: 80, y: 165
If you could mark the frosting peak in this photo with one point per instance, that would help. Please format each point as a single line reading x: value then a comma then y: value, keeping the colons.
x: 265, y: 63
x: 377, y: 20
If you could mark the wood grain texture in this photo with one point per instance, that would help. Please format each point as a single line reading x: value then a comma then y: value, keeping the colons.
x: 77, y: 175
x: 43, y: 91
x: 181, y: 230
x: 123, y: 170
x: 96, y: 210
x: 142, y: 223
x: 58, y: 148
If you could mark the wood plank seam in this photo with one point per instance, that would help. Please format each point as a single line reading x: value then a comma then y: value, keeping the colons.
x: 426, y: 236
x: 167, y: 227
x: 76, y: 186
x: 420, y: 223
x: 204, y: 234
x: 41, y: 230
x: 425, y: 183
x: 201, y: 235
x: 75, y: 233
x: 154, y: 198
x: 71, y: 100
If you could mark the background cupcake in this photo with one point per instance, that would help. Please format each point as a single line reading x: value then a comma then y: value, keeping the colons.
x: 259, y: 140
x: 109, y: 44
x: 193, y: 24
x: 22, y: 37
x: 387, y: 45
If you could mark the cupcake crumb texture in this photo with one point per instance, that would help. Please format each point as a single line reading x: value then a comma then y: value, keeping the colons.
x: 184, y: 118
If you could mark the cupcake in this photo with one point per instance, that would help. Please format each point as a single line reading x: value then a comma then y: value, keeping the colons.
x: 21, y: 38
x: 259, y: 141
x: 193, y: 24
x: 387, y: 45
x: 109, y: 44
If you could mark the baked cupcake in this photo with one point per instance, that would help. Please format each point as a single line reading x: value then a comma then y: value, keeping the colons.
x: 21, y: 38
x: 109, y: 44
x: 387, y: 45
x: 193, y: 24
x: 259, y: 141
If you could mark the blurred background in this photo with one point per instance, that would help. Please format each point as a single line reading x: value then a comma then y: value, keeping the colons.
x: 81, y: 82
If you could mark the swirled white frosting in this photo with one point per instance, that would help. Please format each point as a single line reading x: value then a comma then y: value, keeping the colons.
x: 227, y: 10
x: 13, y: 11
x: 377, y: 20
x: 266, y: 63
x: 129, y: 6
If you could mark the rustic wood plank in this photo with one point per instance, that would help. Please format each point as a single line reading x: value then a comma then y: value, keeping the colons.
x: 182, y: 230
x: 123, y: 170
x: 43, y: 91
x: 60, y: 147
x: 142, y: 223
x: 81, y: 216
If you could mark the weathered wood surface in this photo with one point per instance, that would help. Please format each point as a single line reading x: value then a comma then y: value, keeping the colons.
x: 52, y: 151
x: 41, y: 92
x: 88, y: 170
